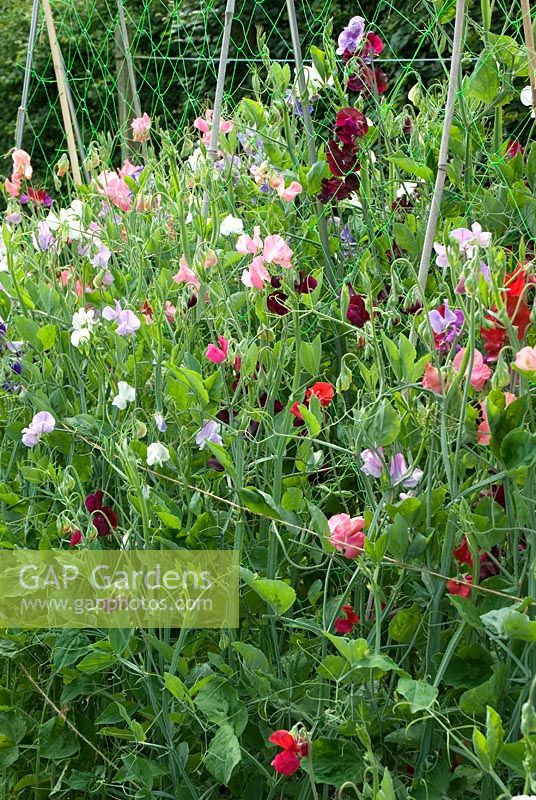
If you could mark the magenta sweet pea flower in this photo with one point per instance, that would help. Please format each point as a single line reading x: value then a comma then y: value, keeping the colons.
x: 446, y: 325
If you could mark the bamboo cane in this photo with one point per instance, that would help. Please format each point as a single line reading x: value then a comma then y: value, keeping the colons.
x: 62, y: 91
x: 21, y: 113
x: 529, y: 42
x: 454, y: 78
x: 130, y: 66
x: 307, y: 124
x: 212, y: 151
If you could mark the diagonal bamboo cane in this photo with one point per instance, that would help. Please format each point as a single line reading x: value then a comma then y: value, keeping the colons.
x: 529, y: 42
x: 21, y: 113
x: 454, y: 78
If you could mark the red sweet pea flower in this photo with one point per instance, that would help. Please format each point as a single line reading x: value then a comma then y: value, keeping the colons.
x: 288, y: 761
x: 347, y: 623
x: 324, y: 391
x: 373, y: 45
x: 496, y: 336
x: 342, y: 158
x: 460, y: 588
x: 103, y: 518
x: 463, y: 555
x: 368, y: 79
x: 350, y: 124
x: 76, y: 538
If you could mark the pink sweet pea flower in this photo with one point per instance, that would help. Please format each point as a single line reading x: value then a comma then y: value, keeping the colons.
x: 291, y: 192
x: 257, y: 275
x: 526, y: 359
x: 432, y: 379
x: 170, y: 310
x: 277, y: 251
x: 113, y: 187
x: 218, y: 354
x: 483, y: 430
x: 141, y: 127
x: 205, y: 125
x: 480, y: 373
x: 347, y: 534
x: 13, y: 187
x: 185, y: 274
x: 247, y: 244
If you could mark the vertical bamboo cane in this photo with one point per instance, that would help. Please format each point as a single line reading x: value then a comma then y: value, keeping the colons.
x: 21, y: 113
x: 218, y: 97
x: 130, y: 66
x: 529, y: 42
x: 454, y: 78
x: 62, y: 92
x: 307, y: 124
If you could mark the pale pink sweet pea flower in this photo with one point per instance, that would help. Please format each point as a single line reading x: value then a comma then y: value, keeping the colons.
x: 347, y: 534
x: 480, y: 373
x: 205, y: 125
x: 113, y: 187
x: 432, y: 379
x: 373, y: 462
x: 526, y: 359
x: 42, y: 423
x: 257, y: 275
x: 218, y: 354
x: 170, y: 310
x: 13, y: 187
x: 291, y: 192
x: 185, y: 274
x: 250, y: 244
x: 483, y: 430
x: 400, y: 473
x: 22, y: 167
x: 277, y: 251
x: 141, y: 127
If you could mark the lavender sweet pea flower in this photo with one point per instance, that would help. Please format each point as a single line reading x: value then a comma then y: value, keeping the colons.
x: 42, y: 423
x: 208, y: 433
x: 160, y: 423
x: 110, y: 314
x: 449, y: 319
x: 373, y: 462
x: 399, y: 472
x: 101, y: 258
x: 14, y: 218
x: 128, y: 323
x: 351, y: 36
x: 44, y: 239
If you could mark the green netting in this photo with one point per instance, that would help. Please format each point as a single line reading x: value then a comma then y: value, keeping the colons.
x: 175, y: 44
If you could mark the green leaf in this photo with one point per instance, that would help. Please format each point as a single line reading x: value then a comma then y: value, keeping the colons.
x: 223, y: 754
x: 319, y: 60
x: 518, y: 449
x: 218, y: 700
x: 387, y: 790
x: 353, y: 650
x: 385, y: 425
x: 96, y: 661
x: 510, y: 624
x: 253, y: 658
x: 259, y: 502
x: 419, y: 694
x: 177, y: 688
x: 494, y: 734
x: 484, y: 83
x: 475, y: 700
x: 336, y: 761
x: 415, y: 168
x: 310, y: 355
x: 314, y: 426
x: 28, y: 330
x: 404, y: 624
x: 277, y: 593
x: 480, y: 746
x: 47, y: 336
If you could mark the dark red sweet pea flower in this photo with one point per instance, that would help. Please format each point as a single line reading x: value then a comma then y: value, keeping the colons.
x: 514, y: 148
x: 275, y: 303
x: 350, y: 124
x: 368, y: 80
x: 373, y: 45
x: 305, y: 284
x: 357, y: 313
x: 288, y: 761
x: 342, y: 158
x: 323, y: 390
x: 103, y: 517
x: 407, y: 126
x: 347, y: 623
x: 460, y: 588
x: 76, y: 538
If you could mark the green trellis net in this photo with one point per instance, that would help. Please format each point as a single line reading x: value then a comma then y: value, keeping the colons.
x: 174, y: 48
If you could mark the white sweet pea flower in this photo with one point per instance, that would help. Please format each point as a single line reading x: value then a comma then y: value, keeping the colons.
x: 125, y: 394
x: 157, y: 454
x: 83, y: 323
x: 406, y: 188
x: 314, y: 80
x: 3, y: 254
x: 68, y: 221
x: 231, y: 225
x: 526, y: 98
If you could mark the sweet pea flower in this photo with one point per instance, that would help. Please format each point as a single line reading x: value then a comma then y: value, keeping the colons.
x: 294, y: 748
x: 277, y: 251
x: 83, y: 323
x: 290, y: 192
x: 186, y: 275
x: 432, y: 379
x: 44, y: 239
x: 373, y: 462
x: 256, y: 275
x: 209, y: 432
x: 480, y: 372
x: 347, y: 534
x: 42, y: 423
x: 231, y: 225
x: 347, y: 623
x: 446, y: 325
x: 101, y: 257
x: 399, y: 472
x: 76, y: 538
x: 125, y: 394
x: 526, y: 360
x: 141, y: 127
x: 68, y: 221
x: 526, y: 98
x: 160, y: 422
x: 127, y: 323
x: 110, y: 314
x: 205, y: 126
x: 461, y: 588
x: 157, y: 454
x: 218, y: 354
x: 247, y: 244
x: 351, y: 36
